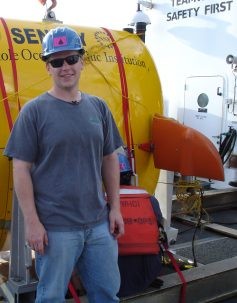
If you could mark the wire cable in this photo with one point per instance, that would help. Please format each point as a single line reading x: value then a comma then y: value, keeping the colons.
x: 227, y: 145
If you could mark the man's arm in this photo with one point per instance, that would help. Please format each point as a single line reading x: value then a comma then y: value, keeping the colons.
x: 35, y: 233
x: 111, y: 177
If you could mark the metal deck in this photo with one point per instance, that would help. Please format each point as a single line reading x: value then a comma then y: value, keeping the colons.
x: 215, y: 247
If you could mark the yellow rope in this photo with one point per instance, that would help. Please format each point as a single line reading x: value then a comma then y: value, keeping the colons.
x: 189, y: 195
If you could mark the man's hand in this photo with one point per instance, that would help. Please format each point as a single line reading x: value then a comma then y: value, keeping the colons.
x: 36, y: 236
x: 116, y: 223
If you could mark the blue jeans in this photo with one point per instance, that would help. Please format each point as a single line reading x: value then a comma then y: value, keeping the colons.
x: 93, y: 251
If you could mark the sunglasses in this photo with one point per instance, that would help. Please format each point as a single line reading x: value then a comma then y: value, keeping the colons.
x: 71, y: 60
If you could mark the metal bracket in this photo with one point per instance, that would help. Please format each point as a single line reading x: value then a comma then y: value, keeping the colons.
x: 20, y: 287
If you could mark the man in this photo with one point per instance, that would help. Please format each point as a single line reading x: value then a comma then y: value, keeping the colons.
x: 62, y: 146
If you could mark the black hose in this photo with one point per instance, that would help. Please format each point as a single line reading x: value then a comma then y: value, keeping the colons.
x: 227, y: 145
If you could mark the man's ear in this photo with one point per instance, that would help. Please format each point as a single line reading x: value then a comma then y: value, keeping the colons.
x: 48, y: 68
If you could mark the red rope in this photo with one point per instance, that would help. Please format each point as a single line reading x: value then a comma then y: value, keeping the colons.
x: 5, y: 101
x: 73, y: 293
x: 124, y: 88
x: 182, y: 297
x: 12, y: 58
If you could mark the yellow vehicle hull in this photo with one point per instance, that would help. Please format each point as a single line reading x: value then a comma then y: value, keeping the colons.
x: 118, y: 68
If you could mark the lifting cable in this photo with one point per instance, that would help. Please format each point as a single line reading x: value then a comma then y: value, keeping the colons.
x: 73, y: 293
x: 13, y: 61
x: 5, y: 101
x: 182, y: 295
x: 15, y: 78
x: 125, y: 101
x: 165, y: 248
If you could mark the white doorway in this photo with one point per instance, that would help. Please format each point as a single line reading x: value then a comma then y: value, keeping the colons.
x: 204, y: 105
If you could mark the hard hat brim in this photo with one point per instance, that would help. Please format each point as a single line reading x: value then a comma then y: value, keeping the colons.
x: 46, y: 57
